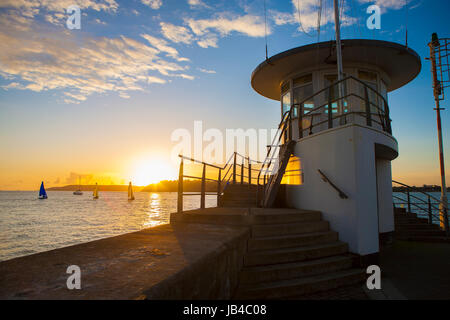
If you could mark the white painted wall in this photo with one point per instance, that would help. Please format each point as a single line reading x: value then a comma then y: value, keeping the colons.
x: 347, y: 156
x: 385, y: 208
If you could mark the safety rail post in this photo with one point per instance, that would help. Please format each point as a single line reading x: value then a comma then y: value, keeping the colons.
x: 409, y: 200
x: 234, y: 169
x: 219, y: 187
x: 242, y: 171
x: 330, y: 110
x: 203, y: 188
x: 180, y: 188
x: 249, y: 172
x: 368, y: 115
x: 290, y: 125
x: 300, y: 120
x: 430, y: 213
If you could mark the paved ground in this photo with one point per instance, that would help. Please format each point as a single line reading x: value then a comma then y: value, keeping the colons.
x: 355, y: 292
x: 419, y: 270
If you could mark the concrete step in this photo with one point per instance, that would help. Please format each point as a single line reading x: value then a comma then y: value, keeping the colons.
x: 419, y: 233
x: 290, y: 241
x: 267, y: 257
x: 293, y: 270
x: 425, y: 238
x: 301, y: 286
x: 238, y: 204
x: 417, y: 226
x: 289, y: 228
x: 281, y: 215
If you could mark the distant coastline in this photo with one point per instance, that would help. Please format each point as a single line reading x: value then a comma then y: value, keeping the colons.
x: 194, y: 186
x: 163, y: 186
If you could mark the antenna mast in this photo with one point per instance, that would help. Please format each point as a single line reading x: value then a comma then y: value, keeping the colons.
x: 440, y: 51
x: 339, y: 55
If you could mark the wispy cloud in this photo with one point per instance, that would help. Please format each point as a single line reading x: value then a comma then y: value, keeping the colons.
x: 154, y: 4
x: 175, y: 33
x: 45, y: 60
x: 225, y: 23
x: 207, y: 71
x: 197, y: 4
x: 387, y: 4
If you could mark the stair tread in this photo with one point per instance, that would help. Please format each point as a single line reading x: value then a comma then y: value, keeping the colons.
x: 298, y: 249
x: 300, y: 281
x: 280, y: 211
x: 288, y: 265
x: 294, y: 236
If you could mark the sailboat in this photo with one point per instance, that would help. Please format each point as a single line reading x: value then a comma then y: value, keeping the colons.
x: 42, y: 192
x: 78, y: 192
x: 130, y: 192
x: 95, y: 194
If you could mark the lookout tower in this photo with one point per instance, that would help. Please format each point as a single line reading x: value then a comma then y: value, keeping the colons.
x: 334, y: 147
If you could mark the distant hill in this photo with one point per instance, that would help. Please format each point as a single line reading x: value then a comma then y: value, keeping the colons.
x: 172, y: 186
x: 91, y: 188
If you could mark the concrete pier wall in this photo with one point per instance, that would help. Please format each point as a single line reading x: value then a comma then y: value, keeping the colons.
x: 175, y: 261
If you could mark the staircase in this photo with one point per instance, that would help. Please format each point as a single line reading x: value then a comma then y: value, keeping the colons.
x: 239, y: 196
x: 293, y: 253
x: 409, y: 227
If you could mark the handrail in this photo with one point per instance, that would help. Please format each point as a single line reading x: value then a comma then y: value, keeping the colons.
x: 231, y: 172
x: 430, y: 206
x: 427, y: 194
x: 326, y: 179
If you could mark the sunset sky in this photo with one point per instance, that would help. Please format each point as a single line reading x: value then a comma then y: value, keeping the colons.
x: 103, y: 101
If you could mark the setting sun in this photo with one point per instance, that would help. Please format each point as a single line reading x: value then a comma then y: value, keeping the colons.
x: 153, y: 171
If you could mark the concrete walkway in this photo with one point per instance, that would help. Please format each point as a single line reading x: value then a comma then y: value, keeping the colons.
x: 158, y: 262
x: 418, y: 270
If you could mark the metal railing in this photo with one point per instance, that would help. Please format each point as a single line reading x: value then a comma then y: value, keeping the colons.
x: 371, y: 112
x: 426, y: 207
x: 237, y: 170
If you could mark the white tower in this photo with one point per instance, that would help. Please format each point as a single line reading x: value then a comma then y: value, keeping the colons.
x: 347, y: 136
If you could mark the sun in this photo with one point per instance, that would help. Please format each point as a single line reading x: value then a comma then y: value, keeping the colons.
x: 153, y: 171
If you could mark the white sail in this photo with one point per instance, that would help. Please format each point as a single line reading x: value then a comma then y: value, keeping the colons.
x: 130, y: 192
x: 95, y: 194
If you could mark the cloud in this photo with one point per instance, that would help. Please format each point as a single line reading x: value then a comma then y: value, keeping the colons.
x: 249, y: 25
x: 305, y: 15
x: 55, y: 10
x: 197, y: 4
x: 208, y: 41
x: 163, y: 46
x: 176, y: 34
x: 387, y: 4
x: 45, y: 60
x: 207, y: 71
x: 154, y: 4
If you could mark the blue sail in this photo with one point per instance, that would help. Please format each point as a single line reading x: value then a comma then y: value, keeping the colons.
x: 42, y: 193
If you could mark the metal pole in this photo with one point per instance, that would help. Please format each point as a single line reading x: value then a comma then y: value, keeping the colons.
x: 409, y: 201
x: 339, y: 58
x: 234, y: 169
x: 443, y: 206
x: 219, y: 187
x: 203, y: 190
x: 180, y: 188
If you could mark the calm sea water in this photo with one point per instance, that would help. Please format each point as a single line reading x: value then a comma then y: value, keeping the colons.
x: 29, y: 225
x: 419, y: 203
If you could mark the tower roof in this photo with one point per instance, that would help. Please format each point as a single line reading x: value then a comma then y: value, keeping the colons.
x: 400, y: 63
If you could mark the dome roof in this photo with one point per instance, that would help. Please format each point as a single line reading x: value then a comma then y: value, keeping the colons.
x: 400, y: 63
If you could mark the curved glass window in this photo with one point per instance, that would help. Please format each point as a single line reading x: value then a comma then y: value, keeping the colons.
x: 303, y: 89
x: 286, y: 102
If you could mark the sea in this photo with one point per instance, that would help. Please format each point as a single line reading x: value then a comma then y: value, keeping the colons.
x: 29, y: 225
